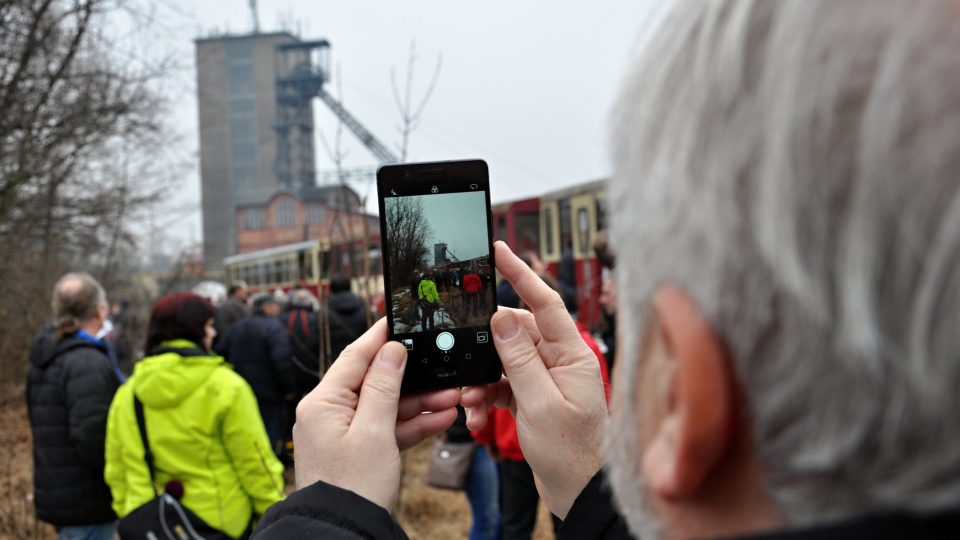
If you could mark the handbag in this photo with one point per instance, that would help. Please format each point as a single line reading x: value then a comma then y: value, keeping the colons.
x: 163, y: 517
x: 450, y: 464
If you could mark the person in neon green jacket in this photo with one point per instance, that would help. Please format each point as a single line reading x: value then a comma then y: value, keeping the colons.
x: 429, y: 300
x: 202, y: 421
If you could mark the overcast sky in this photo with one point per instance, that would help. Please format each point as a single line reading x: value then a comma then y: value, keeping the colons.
x: 458, y: 220
x: 526, y: 85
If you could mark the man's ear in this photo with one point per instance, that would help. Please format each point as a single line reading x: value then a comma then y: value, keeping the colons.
x: 696, y: 395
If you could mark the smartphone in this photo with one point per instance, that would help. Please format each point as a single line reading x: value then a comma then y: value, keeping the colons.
x: 439, y: 271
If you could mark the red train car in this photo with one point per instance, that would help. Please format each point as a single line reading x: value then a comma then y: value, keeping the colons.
x: 569, y: 221
x: 560, y: 228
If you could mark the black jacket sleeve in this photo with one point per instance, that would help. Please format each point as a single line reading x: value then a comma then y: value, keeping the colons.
x: 90, y: 384
x: 326, y: 511
x: 593, y: 515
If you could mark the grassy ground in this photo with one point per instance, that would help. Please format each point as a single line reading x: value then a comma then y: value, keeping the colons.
x: 16, y: 483
x: 428, y: 513
x: 425, y: 513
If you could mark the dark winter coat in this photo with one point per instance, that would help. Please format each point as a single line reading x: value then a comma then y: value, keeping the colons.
x: 348, y: 320
x: 69, y: 389
x: 304, y: 332
x: 325, y: 511
x: 259, y: 350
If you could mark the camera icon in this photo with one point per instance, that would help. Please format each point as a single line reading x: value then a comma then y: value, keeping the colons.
x: 434, y: 189
x: 482, y: 337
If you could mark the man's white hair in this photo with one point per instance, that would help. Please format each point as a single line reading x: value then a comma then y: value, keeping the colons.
x: 795, y: 166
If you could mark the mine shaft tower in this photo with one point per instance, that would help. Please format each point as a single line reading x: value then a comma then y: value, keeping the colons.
x: 303, y: 68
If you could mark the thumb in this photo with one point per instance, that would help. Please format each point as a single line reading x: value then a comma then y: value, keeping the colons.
x: 380, y: 391
x: 525, y: 370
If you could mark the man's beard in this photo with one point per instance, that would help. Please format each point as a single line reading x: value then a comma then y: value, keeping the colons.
x: 624, y: 455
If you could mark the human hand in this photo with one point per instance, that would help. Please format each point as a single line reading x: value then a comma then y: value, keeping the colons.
x: 552, y: 387
x: 352, y: 427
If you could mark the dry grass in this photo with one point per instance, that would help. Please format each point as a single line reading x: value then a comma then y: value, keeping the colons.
x: 17, y: 519
x: 425, y: 513
x: 428, y: 513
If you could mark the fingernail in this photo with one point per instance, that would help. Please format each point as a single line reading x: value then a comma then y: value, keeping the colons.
x: 393, y: 356
x: 506, y: 326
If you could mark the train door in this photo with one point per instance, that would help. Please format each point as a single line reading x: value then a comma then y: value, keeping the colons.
x: 583, y: 225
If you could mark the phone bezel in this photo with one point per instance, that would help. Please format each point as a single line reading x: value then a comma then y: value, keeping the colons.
x: 426, y: 367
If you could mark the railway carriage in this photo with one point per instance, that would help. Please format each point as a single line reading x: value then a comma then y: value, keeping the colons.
x: 309, y: 263
x: 560, y: 227
x: 569, y: 221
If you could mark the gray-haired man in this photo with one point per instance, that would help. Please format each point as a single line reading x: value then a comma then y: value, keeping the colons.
x: 786, y: 197
x: 69, y: 389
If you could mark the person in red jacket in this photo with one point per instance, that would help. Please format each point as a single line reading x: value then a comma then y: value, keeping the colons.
x: 519, y: 497
x: 472, y: 285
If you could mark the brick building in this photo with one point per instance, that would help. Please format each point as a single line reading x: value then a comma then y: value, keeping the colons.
x: 311, y: 213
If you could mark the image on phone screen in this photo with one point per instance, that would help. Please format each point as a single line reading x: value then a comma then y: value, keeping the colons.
x: 440, y: 262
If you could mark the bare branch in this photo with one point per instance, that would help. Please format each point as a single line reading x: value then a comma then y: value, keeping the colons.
x: 410, y: 115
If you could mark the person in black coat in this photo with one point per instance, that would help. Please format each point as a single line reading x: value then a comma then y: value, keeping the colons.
x: 303, y: 328
x: 231, y: 310
x: 70, y: 385
x: 259, y: 349
x: 347, y: 316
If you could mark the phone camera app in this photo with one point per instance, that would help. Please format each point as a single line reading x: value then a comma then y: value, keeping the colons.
x: 439, y: 263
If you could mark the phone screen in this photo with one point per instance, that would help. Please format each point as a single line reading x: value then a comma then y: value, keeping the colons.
x: 439, y: 271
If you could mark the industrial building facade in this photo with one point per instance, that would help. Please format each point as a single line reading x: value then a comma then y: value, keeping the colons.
x: 237, y: 106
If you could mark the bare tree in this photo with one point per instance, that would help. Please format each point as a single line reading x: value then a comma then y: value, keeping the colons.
x: 70, y: 109
x: 411, y: 111
x: 407, y: 235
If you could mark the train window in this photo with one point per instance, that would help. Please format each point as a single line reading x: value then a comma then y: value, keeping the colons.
x: 548, y: 230
x: 277, y: 272
x: 324, y: 265
x: 583, y: 230
x: 308, y: 266
x: 601, y: 213
x: 566, y: 236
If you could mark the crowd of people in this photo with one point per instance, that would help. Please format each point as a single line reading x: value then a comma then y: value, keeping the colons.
x: 457, y: 297
x: 785, y: 215
x: 216, y: 390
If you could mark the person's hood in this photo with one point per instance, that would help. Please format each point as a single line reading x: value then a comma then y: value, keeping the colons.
x: 345, y: 303
x: 47, y: 347
x: 166, y: 379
